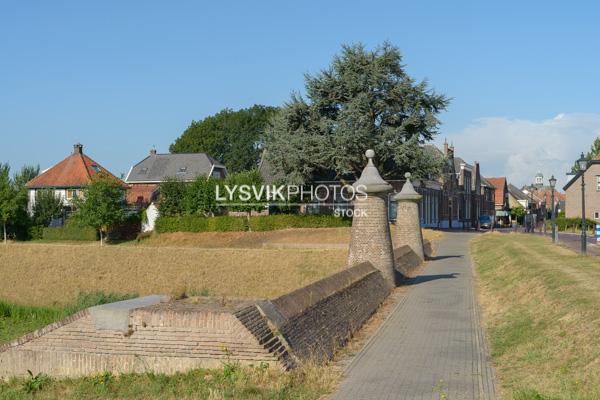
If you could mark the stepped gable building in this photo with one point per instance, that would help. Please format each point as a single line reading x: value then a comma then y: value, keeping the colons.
x: 67, y: 178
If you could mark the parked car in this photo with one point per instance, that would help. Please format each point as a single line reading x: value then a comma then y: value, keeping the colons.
x: 486, y: 222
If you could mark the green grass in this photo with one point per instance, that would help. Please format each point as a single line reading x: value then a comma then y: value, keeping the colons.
x: 18, y: 320
x: 230, y: 382
x: 541, y: 307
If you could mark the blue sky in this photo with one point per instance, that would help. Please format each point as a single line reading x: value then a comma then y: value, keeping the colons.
x: 121, y: 77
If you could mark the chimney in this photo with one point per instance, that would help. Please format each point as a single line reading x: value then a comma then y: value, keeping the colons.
x: 77, y: 148
x: 153, y: 152
x: 445, y: 147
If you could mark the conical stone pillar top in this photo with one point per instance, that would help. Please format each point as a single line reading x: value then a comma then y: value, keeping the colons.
x: 370, y: 181
x: 408, y: 225
x: 371, y: 240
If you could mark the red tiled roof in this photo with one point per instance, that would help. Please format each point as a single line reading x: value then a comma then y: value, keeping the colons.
x: 499, y: 184
x: 74, y: 171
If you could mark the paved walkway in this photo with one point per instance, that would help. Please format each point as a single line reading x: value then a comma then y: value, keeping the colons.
x: 432, y: 345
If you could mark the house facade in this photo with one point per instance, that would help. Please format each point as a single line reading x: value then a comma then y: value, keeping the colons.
x: 67, y: 178
x: 501, y: 200
x: 592, y: 192
x: 145, y: 177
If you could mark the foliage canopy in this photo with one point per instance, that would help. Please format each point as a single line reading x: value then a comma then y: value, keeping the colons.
x: 365, y: 99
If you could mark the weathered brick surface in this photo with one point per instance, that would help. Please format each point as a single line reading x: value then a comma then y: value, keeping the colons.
x: 408, y: 227
x: 321, y: 317
x: 258, y: 326
x: 370, y: 240
x: 162, y: 338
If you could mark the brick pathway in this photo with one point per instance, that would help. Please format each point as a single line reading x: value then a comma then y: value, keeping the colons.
x: 432, y: 345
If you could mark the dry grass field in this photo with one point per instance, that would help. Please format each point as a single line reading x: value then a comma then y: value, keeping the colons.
x: 229, y: 264
x: 320, y: 236
x: 541, y: 308
x: 54, y: 274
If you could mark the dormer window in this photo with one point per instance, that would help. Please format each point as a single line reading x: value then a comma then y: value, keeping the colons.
x: 143, y: 170
x: 96, y: 168
x: 182, y: 170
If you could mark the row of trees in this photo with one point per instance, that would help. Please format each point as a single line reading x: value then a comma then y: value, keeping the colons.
x: 364, y: 99
x: 200, y: 197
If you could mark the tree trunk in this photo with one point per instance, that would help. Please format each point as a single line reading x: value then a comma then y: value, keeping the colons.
x: 4, y: 225
x: 100, y: 230
x: 248, y: 217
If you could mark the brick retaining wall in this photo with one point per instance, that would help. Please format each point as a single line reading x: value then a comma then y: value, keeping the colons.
x: 309, y: 323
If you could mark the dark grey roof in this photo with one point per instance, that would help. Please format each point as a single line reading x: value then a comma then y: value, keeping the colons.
x: 184, y: 166
x: 516, y: 192
x: 458, y: 161
x: 266, y: 170
x: 485, y: 182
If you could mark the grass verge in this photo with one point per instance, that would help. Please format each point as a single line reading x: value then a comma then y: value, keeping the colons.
x: 230, y: 382
x: 541, y: 308
x: 18, y: 320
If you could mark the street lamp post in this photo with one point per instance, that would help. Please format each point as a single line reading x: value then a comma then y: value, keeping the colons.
x: 582, y: 162
x: 553, y: 215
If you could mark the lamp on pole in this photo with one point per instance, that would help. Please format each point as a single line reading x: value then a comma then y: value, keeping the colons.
x: 553, y: 215
x: 582, y: 163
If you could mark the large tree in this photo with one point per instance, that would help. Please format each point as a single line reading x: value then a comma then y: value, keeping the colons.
x: 363, y: 100
x: 9, y: 199
x: 594, y: 151
x: 232, y: 137
x: 47, y: 206
x: 101, y: 205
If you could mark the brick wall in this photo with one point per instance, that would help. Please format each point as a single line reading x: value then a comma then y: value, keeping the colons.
x: 165, y: 338
x: 317, y: 319
x: 592, y: 195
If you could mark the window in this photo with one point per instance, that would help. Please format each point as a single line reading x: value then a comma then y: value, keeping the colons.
x: 596, y: 215
x: 96, y: 168
x: 598, y: 183
x: 143, y: 171
x: 71, y: 193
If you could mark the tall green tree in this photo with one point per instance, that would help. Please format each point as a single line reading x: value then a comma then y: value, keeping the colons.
x: 232, y: 137
x: 365, y: 99
x: 172, y: 197
x: 594, y: 151
x: 101, y: 205
x: 200, y: 197
x: 247, y: 192
x: 25, y: 174
x: 9, y: 199
x: 47, y: 207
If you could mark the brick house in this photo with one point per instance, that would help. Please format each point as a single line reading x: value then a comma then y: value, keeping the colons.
x: 501, y: 200
x: 145, y: 177
x: 67, y: 178
x: 592, y: 192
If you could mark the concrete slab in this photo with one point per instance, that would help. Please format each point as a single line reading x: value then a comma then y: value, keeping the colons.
x: 115, y: 316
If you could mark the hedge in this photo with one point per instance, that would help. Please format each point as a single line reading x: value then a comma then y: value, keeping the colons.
x: 261, y: 223
x: 70, y: 232
x: 565, y: 224
x: 287, y: 221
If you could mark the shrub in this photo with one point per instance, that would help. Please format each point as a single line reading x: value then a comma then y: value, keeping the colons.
x: 194, y: 223
x: 287, y: 221
x: 70, y: 232
x: 565, y: 224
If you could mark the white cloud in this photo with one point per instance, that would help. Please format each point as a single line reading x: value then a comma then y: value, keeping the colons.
x: 518, y: 148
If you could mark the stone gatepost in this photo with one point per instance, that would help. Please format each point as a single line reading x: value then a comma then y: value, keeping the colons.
x: 408, y: 226
x: 371, y: 240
